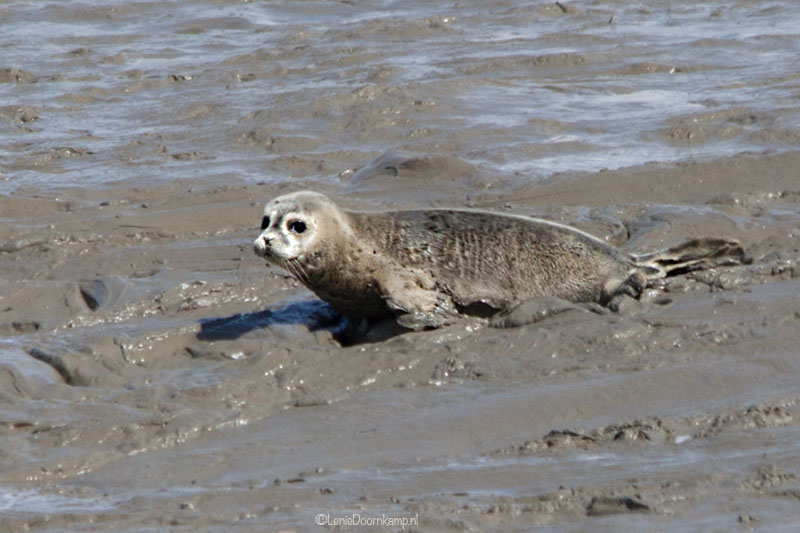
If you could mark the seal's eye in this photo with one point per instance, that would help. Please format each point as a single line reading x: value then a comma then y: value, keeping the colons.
x: 297, y: 226
x: 264, y: 223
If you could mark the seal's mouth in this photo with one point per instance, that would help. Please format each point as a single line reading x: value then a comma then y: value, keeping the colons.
x: 262, y: 249
x: 265, y: 251
x: 274, y: 259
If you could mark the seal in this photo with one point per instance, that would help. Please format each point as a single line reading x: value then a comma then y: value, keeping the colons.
x: 428, y: 267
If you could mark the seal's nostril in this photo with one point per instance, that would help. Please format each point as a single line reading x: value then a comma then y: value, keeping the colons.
x: 261, y: 246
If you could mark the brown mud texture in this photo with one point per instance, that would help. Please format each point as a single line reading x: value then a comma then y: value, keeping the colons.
x: 156, y: 375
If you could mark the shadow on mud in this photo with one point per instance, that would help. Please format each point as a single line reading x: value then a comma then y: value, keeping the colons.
x: 314, y: 314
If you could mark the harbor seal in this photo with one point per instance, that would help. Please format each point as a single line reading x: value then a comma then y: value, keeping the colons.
x: 427, y: 267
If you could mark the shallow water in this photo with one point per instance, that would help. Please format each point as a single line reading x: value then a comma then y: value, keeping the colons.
x: 163, y: 90
x: 155, y: 374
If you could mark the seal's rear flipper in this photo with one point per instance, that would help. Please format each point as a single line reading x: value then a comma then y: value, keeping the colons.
x: 691, y: 255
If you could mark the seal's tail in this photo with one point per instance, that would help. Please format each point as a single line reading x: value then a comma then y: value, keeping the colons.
x: 691, y: 255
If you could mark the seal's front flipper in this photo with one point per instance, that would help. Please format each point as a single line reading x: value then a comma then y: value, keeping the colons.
x: 418, y: 321
x: 413, y: 296
x: 691, y: 255
x: 418, y: 316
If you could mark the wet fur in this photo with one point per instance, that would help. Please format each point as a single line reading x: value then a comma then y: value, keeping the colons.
x: 426, y: 267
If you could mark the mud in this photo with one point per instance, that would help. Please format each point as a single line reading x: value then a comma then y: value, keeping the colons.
x: 155, y: 374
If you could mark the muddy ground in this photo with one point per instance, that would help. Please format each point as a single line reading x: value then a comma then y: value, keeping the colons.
x: 155, y: 374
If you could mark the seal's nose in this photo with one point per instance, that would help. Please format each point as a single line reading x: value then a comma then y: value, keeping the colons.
x: 261, y: 245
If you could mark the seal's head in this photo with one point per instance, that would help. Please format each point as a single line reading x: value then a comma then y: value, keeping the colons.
x: 295, y: 225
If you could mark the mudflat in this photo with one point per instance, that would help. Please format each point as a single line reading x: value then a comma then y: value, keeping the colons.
x: 154, y: 373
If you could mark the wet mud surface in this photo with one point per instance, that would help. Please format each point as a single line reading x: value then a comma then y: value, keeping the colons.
x: 155, y: 374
